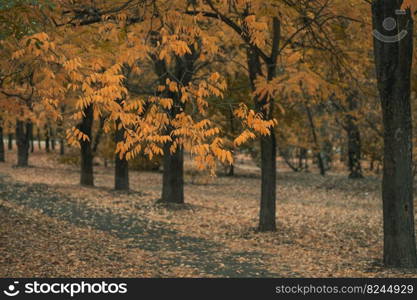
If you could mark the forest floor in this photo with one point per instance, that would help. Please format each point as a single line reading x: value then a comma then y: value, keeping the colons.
x: 51, y: 227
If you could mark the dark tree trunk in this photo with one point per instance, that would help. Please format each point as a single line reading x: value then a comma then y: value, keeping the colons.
x: 22, y: 140
x: 173, y: 176
x: 52, y: 137
x: 267, y: 212
x: 10, y: 142
x: 61, y: 146
x: 32, y: 142
x: 393, y: 66
x: 60, y: 134
x: 231, y: 171
x: 87, y: 176
x: 121, y: 176
x: 2, y: 150
x: 303, y: 159
x: 98, y: 135
x: 39, y: 139
x: 268, y: 183
x: 53, y: 141
x: 354, y: 152
x: 47, y: 139
x: 354, y: 141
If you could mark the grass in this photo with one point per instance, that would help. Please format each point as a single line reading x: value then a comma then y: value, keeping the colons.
x: 51, y: 227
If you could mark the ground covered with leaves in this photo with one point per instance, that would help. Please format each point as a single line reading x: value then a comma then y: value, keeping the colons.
x: 51, y: 227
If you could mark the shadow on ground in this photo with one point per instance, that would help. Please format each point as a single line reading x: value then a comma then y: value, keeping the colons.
x: 208, y: 257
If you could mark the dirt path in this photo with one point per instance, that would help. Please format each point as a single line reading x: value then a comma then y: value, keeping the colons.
x: 210, y: 258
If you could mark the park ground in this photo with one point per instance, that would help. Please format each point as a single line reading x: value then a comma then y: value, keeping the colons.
x: 51, y: 227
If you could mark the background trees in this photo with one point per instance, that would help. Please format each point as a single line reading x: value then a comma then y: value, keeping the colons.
x: 168, y: 80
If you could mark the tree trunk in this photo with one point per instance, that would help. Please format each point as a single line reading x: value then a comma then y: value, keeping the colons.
x: 39, y: 139
x: 32, y: 143
x: 354, y: 140
x: 268, y: 183
x: 173, y: 163
x: 173, y: 176
x: 393, y: 62
x: 87, y: 176
x: 47, y: 139
x: 61, y: 146
x: 52, y: 137
x: 267, y: 212
x: 231, y: 171
x: 2, y: 150
x: 354, y: 150
x: 121, y: 176
x: 303, y: 159
x: 22, y: 141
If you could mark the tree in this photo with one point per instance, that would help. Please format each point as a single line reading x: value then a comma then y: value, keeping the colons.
x: 393, y: 62
x: 2, y: 148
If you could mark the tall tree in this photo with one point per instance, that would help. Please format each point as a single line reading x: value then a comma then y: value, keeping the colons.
x: 121, y: 167
x: 2, y: 152
x: 85, y: 127
x: 23, y: 129
x: 393, y: 60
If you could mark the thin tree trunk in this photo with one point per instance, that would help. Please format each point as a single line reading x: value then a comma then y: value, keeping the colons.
x: 121, y: 176
x: 53, y: 140
x: 303, y: 159
x: 39, y: 139
x: 354, y: 150
x: 31, y: 137
x: 320, y: 163
x: 393, y: 63
x: 47, y: 139
x: 354, y: 141
x: 22, y: 141
x: 61, y: 146
x: 2, y: 150
x: 231, y: 171
x: 87, y: 176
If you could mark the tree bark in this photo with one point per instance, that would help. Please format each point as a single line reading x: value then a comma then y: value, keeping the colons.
x: 121, y: 175
x: 53, y: 140
x: 354, y: 144
x: 267, y: 212
x: 22, y: 140
x: 39, y: 139
x: 87, y: 176
x: 2, y: 150
x: 47, y: 139
x: 61, y: 146
x: 393, y: 63
x: 173, y: 176
x: 354, y: 151
x: 32, y: 142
